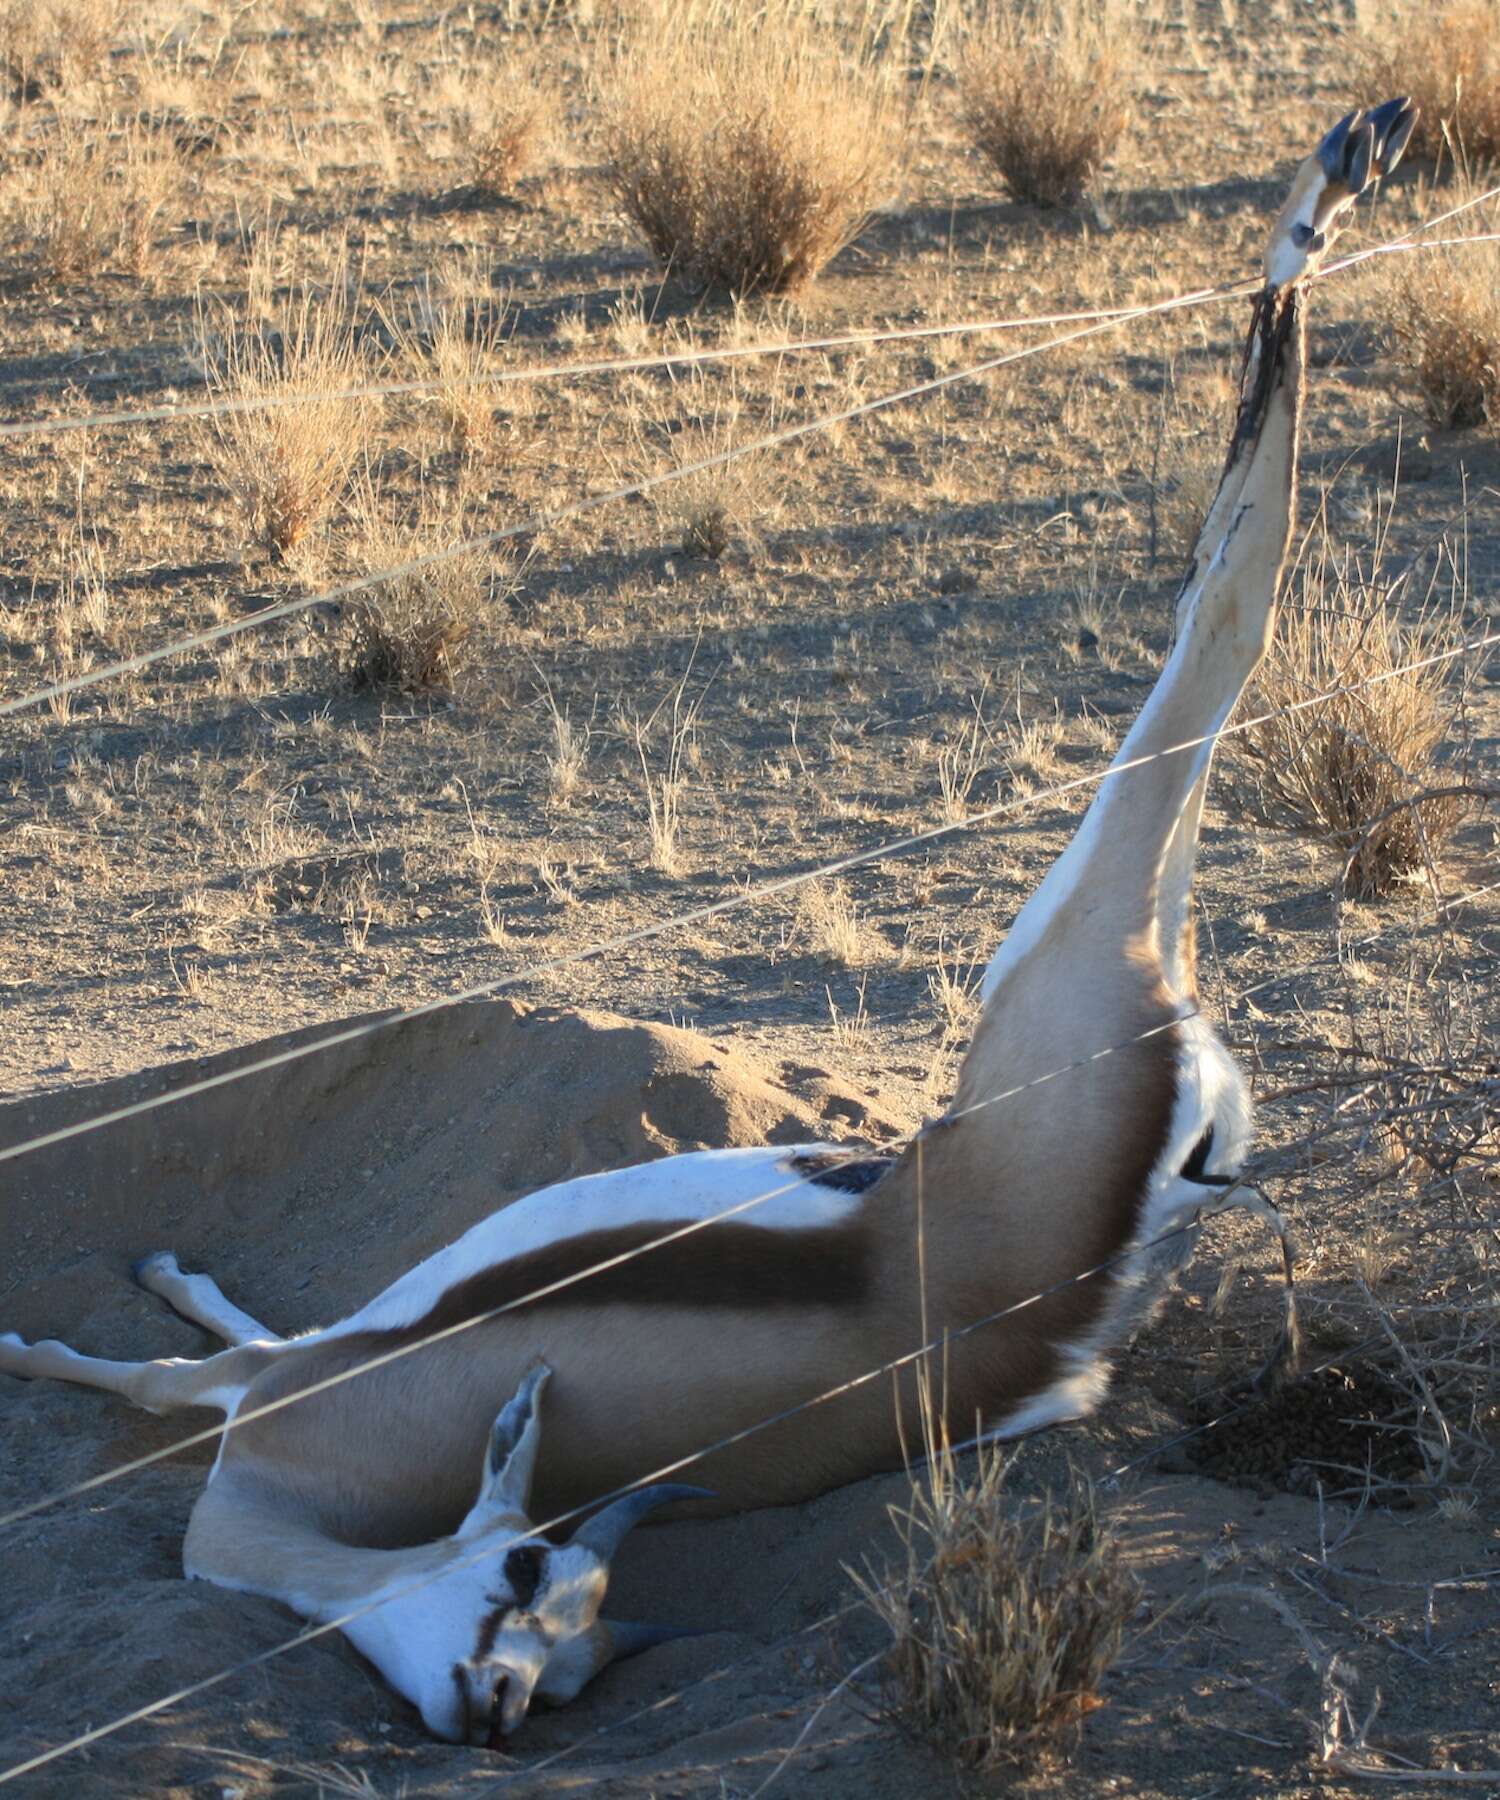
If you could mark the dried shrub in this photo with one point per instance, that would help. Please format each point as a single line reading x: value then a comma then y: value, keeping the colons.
x: 1003, y: 1621
x: 95, y: 199
x: 47, y: 46
x: 747, y: 150
x: 411, y: 631
x: 1341, y: 771
x: 1448, y: 59
x: 287, y: 462
x: 1444, y: 313
x: 508, y: 136
x: 1046, y: 94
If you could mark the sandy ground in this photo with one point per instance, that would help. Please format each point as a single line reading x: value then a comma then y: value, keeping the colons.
x: 237, y: 848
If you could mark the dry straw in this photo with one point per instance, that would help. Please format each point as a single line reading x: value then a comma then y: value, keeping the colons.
x: 287, y: 464
x: 747, y: 147
x: 1448, y: 59
x: 1047, y: 93
x: 1003, y: 1622
x: 1343, y: 772
x: 1445, y: 322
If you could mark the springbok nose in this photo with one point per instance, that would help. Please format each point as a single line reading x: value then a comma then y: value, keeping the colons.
x: 495, y: 1729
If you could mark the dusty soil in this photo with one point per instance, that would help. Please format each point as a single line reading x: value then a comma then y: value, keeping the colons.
x: 233, y: 848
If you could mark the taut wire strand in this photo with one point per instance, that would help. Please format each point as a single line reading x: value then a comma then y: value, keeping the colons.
x: 311, y: 1633
x: 574, y: 509
x: 708, y: 354
x: 551, y: 516
x: 713, y: 909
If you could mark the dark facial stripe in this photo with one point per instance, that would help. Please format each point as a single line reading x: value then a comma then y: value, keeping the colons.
x: 489, y: 1630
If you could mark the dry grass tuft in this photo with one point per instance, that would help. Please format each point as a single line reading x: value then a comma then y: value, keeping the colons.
x: 1047, y: 94
x: 508, y: 137
x: 50, y: 45
x: 95, y: 199
x: 830, y: 924
x: 1002, y: 1627
x: 1341, y: 771
x: 1444, y: 313
x: 1448, y: 59
x: 713, y: 509
x: 747, y: 150
x: 411, y: 631
x: 287, y: 463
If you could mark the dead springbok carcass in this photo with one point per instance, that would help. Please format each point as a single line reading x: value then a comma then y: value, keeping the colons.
x: 327, y: 1503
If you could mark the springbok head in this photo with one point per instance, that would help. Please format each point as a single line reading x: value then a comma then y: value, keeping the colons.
x: 468, y: 1645
x: 1360, y: 149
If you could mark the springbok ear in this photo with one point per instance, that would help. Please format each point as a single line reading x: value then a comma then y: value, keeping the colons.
x: 510, y: 1455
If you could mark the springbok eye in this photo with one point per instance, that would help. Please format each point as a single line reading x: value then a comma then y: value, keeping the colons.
x: 1302, y: 236
x: 523, y: 1571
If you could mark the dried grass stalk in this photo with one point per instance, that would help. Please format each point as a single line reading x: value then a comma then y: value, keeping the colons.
x: 1047, y: 93
x: 1445, y: 321
x: 288, y: 462
x: 1448, y: 59
x: 1340, y: 771
x: 48, y: 46
x: 412, y: 631
x: 1003, y: 1622
x: 96, y: 198
x: 747, y: 150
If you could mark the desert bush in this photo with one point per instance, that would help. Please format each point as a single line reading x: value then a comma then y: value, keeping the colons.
x: 747, y: 150
x: 1046, y: 93
x: 1448, y: 59
x: 508, y: 136
x: 287, y: 462
x: 1444, y: 314
x: 411, y: 631
x: 1340, y: 771
x: 96, y: 197
x: 1003, y: 1621
x: 49, y: 45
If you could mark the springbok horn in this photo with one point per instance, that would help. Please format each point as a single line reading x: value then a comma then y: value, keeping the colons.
x: 630, y: 1639
x: 604, y: 1533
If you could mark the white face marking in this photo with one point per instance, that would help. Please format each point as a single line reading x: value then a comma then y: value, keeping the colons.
x: 468, y: 1648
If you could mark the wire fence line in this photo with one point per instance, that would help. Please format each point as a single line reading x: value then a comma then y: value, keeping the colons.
x: 666, y: 1471
x: 211, y: 1433
x: 549, y: 517
x: 755, y: 895
x: 577, y: 371
x: 310, y: 1633
x: 573, y: 509
x: 229, y: 404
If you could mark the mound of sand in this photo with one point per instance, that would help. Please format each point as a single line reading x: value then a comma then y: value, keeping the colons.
x: 304, y: 1189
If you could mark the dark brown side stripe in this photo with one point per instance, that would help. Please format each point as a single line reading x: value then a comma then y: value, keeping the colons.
x: 728, y: 1265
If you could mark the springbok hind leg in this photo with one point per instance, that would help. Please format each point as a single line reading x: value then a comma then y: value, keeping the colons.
x: 159, y: 1387
x: 200, y: 1300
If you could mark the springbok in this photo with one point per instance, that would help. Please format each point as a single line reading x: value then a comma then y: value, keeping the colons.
x: 359, y: 1487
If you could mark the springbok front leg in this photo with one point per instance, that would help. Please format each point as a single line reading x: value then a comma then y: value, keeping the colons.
x: 200, y: 1300
x: 168, y: 1383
